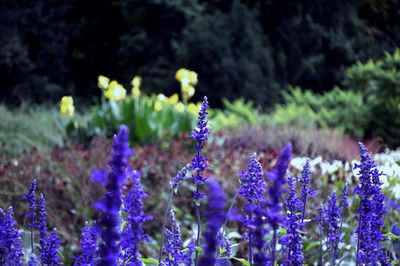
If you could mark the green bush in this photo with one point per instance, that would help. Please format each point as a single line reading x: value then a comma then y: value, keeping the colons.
x: 343, y: 110
x: 379, y: 82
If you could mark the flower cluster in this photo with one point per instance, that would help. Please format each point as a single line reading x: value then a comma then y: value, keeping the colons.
x: 371, y: 212
x: 110, y: 204
x: 199, y: 162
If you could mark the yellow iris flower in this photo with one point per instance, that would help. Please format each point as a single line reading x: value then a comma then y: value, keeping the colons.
x: 67, y: 106
x: 136, y: 81
x: 115, y: 91
x: 103, y: 82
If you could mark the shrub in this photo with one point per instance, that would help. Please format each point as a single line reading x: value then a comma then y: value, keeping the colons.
x: 379, y: 82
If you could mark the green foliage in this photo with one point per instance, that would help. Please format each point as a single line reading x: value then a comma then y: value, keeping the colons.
x: 235, y: 114
x: 379, y: 81
x: 148, y: 118
x: 338, y: 109
x: 30, y: 127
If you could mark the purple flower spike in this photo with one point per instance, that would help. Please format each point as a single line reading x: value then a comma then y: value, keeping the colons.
x: 180, y: 176
x: 30, y: 199
x: 133, y: 232
x: 371, y: 212
x: 333, y: 219
x: 88, y: 247
x: 201, y: 132
x: 174, y: 243
x: 294, y: 224
x: 10, y: 240
x: 252, y: 181
x: 199, y: 162
x: 42, y: 222
x: 49, y: 253
x: 224, y: 259
x: 110, y: 204
x: 216, y: 216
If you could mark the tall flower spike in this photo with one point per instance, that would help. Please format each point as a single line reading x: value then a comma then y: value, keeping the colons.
x: 30, y: 199
x: 110, y: 204
x: 133, y: 232
x: 216, y: 216
x: 42, y: 222
x: 31, y: 214
x: 88, y: 247
x: 33, y: 260
x: 333, y: 219
x: 10, y: 240
x: 305, y: 190
x: 371, y: 212
x: 49, y: 253
x: 294, y: 224
x: 275, y: 191
x: 252, y: 189
x: 174, y: 243
x: 199, y: 162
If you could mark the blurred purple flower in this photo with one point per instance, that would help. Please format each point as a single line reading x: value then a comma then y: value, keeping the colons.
x: 110, y: 204
x: 216, y: 216
x: 49, y: 253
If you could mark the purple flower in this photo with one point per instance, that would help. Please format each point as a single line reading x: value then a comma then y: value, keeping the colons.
x: 133, y: 232
x: 224, y: 259
x: 294, y: 225
x: 180, y: 176
x: 30, y: 199
x: 174, y: 244
x: 42, y: 222
x: 260, y: 257
x: 190, y: 250
x: 252, y: 182
x: 33, y: 261
x: 49, y: 253
x: 88, y: 247
x: 199, y: 162
x: 371, y: 212
x: 333, y: 219
x: 216, y: 216
x: 10, y: 239
x: 110, y: 204
x: 275, y: 191
x: 305, y: 190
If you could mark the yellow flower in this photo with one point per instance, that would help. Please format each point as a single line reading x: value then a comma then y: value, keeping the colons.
x: 181, y: 73
x: 102, y: 82
x: 136, y: 81
x: 115, y: 91
x: 67, y: 106
x: 173, y: 99
x: 187, y: 92
x: 193, y: 78
x: 193, y: 108
x: 180, y: 107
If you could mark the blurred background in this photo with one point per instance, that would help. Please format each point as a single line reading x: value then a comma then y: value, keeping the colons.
x: 321, y: 74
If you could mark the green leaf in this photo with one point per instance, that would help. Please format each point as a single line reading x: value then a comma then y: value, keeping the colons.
x: 311, y: 245
x: 395, y: 262
x: 392, y: 236
x: 199, y: 249
x: 282, y: 232
x: 243, y: 261
x: 149, y: 261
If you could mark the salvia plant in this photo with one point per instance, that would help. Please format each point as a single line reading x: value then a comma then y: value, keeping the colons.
x: 276, y: 220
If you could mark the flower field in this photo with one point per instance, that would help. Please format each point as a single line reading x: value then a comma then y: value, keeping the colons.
x: 200, y: 204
